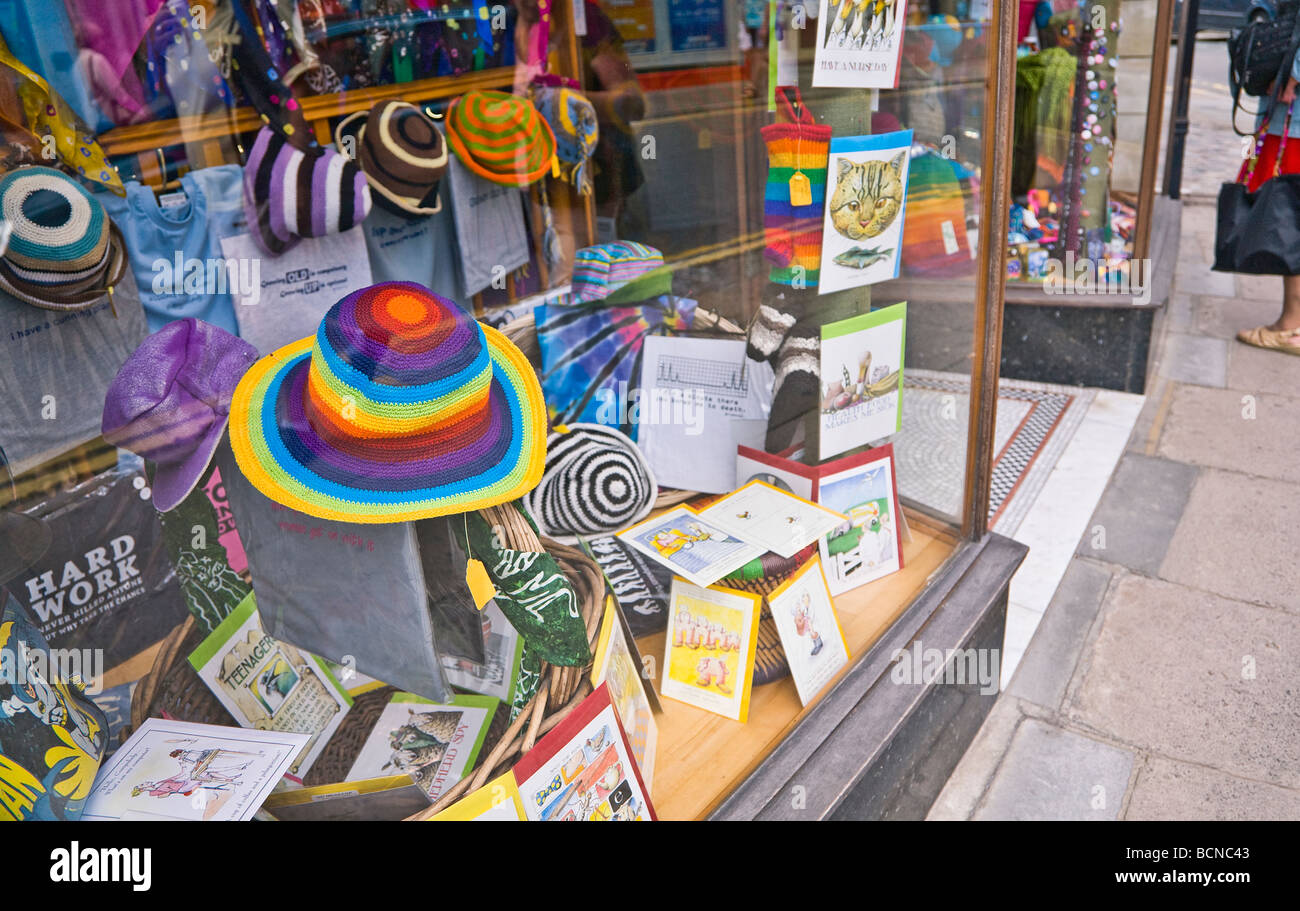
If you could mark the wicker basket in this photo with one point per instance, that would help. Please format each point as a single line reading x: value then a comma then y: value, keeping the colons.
x: 523, y: 332
x: 173, y: 689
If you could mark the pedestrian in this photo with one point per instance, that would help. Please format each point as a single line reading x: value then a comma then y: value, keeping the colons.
x: 1284, y: 334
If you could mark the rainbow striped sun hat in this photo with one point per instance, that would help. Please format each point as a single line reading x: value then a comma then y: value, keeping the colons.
x: 500, y: 137
x: 401, y: 407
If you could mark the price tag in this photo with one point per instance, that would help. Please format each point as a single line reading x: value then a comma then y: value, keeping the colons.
x: 800, y: 189
x: 480, y: 586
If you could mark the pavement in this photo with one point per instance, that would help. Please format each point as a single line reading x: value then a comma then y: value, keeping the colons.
x: 1163, y: 681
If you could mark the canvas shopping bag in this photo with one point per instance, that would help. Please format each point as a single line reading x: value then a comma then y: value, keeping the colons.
x: 351, y: 593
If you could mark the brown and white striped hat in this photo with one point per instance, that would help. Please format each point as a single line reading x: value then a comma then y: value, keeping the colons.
x: 401, y: 152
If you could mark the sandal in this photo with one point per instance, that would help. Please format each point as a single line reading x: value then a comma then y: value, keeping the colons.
x: 1287, y: 340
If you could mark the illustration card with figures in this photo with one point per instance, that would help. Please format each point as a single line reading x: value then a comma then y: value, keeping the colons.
x: 177, y: 770
x: 810, y: 632
x: 435, y: 743
x: 859, y: 43
x: 862, y: 379
x: 583, y: 770
x: 271, y: 685
x: 712, y: 637
x: 866, y: 195
x: 870, y: 544
x: 618, y: 663
x: 772, y: 518
x: 690, y: 545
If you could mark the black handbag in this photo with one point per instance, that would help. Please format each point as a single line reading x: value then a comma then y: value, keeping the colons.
x: 1259, y: 233
x: 1259, y: 51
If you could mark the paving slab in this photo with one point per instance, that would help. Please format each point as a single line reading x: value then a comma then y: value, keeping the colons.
x: 1048, y: 663
x: 969, y: 780
x: 1194, y: 359
x: 1261, y: 288
x: 1224, y: 317
x: 1255, y: 433
x: 1139, y: 512
x: 1167, y: 789
x: 1239, y: 538
x: 1252, y: 369
x: 1052, y: 773
x: 1195, y: 677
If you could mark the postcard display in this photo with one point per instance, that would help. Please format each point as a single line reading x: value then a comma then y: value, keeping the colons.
x: 709, y: 427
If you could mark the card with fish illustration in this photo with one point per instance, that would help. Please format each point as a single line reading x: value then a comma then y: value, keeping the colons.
x: 870, y: 544
x: 690, y: 545
x: 810, y: 632
x: 583, y: 770
x: 177, y: 770
x: 435, y: 743
x: 772, y: 518
x: 859, y: 43
x: 618, y: 663
x: 270, y: 685
x: 862, y: 380
x: 712, y: 637
x: 497, y: 801
x: 866, y: 195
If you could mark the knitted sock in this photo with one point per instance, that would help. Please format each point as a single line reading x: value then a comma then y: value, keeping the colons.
x: 767, y: 332
x: 800, y: 147
x: 794, y: 233
x: 797, y: 384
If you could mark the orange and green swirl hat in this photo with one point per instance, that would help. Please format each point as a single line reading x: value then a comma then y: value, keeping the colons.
x: 500, y: 137
x: 401, y: 407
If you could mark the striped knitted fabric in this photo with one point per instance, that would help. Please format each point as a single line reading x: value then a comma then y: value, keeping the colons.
x: 604, y: 268
x: 500, y: 137
x: 290, y: 194
x: 401, y: 407
x: 62, y: 251
x: 794, y: 233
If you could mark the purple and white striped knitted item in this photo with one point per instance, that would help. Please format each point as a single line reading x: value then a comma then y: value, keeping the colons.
x: 290, y: 193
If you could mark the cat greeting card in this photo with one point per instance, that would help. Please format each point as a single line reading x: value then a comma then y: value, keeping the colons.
x: 862, y: 232
x: 859, y: 43
x: 862, y: 379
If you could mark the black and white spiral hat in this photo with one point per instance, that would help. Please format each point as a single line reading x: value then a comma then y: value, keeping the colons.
x: 596, y: 482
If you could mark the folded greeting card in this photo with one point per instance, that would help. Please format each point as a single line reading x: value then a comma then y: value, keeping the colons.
x: 772, y: 518
x: 176, y: 770
x: 810, y: 632
x: 583, y: 770
x: 690, y: 545
x: 712, y: 635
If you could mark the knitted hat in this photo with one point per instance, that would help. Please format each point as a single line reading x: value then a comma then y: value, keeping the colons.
x: 401, y: 152
x: 500, y: 137
x: 401, y: 407
x: 170, y: 402
x: 596, y: 482
x: 618, y: 272
x: 63, y: 251
x: 572, y: 119
x: 290, y: 193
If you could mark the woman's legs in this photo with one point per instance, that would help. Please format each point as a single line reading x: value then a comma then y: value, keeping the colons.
x: 1290, y: 318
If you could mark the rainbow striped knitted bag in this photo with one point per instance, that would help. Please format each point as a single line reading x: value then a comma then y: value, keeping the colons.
x: 797, y: 154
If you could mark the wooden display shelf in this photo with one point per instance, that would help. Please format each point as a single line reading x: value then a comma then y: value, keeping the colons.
x: 147, y: 137
x: 703, y: 756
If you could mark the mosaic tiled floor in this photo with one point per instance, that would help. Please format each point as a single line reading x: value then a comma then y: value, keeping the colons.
x: 1035, y: 422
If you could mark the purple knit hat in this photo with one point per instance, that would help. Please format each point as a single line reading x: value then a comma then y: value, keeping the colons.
x: 170, y: 402
x: 290, y: 193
